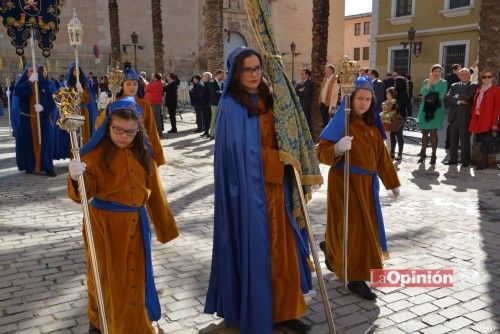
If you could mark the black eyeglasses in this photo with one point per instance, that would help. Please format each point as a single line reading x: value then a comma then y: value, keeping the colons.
x: 120, y: 131
x: 257, y: 69
x: 486, y: 77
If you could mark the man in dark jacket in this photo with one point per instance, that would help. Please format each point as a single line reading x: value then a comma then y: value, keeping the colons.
x: 305, y: 90
x: 459, y: 100
x: 378, y: 88
x: 195, y: 98
x: 216, y: 86
x: 170, y: 90
x: 205, y: 103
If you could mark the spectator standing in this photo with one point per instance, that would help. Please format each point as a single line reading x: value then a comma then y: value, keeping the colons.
x: 329, y: 93
x: 305, y: 90
x: 170, y: 90
x: 216, y: 87
x: 404, y: 105
x: 195, y: 98
x: 459, y: 101
x: 431, y: 111
x: 205, y: 103
x: 153, y: 93
x: 378, y: 88
x: 484, y: 122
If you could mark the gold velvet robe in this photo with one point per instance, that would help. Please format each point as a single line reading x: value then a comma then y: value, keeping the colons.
x: 288, y: 300
x: 364, y: 250
x: 149, y: 122
x: 117, y: 236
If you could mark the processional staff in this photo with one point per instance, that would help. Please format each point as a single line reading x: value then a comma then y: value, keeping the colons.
x: 68, y: 102
x: 37, y: 97
x: 75, y: 31
x: 348, y: 72
x: 7, y: 92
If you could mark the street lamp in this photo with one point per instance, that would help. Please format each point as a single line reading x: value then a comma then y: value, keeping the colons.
x: 294, y: 54
x: 135, y: 40
x: 411, y: 37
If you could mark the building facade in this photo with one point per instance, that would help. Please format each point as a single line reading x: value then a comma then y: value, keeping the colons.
x: 182, y: 35
x: 357, y: 38
x: 446, y: 32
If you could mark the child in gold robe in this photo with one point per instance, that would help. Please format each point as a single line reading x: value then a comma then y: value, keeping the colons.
x: 369, y: 161
x: 122, y: 180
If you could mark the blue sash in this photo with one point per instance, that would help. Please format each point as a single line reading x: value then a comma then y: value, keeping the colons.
x: 152, y: 301
x: 378, y: 208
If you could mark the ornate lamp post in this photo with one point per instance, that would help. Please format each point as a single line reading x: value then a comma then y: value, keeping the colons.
x: 135, y: 41
x: 75, y: 31
x: 411, y: 38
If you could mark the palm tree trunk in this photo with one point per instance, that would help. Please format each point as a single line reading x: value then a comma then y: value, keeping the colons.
x: 114, y: 29
x: 214, y: 45
x: 319, y: 53
x: 157, y: 36
x: 489, y: 43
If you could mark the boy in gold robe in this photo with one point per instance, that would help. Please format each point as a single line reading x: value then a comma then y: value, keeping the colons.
x: 369, y: 160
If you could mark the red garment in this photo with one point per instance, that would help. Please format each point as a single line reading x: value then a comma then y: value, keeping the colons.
x: 489, y: 111
x: 154, y: 92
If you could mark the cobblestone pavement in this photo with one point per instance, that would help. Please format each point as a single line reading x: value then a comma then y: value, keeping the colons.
x: 446, y: 218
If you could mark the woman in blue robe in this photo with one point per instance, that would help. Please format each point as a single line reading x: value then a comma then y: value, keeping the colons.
x: 260, y: 255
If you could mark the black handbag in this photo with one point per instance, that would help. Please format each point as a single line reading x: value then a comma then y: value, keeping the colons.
x: 431, y: 104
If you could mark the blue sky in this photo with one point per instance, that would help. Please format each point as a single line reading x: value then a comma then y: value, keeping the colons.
x: 353, y: 7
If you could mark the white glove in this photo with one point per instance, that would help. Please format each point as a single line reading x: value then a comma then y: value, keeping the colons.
x: 76, y: 168
x: 33, y: 77
x: 38, y: 108
x: 343, y: 145
x: 79, y: 87
x: 395, y: 193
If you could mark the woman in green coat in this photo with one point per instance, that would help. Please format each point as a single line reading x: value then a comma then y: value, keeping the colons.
x: 431, y: 111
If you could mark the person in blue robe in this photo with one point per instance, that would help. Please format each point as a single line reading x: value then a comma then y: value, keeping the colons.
x: 32, y: 157
x: 260, y: 267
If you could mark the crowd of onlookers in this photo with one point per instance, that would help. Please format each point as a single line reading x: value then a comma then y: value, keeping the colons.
x: 472, y: 109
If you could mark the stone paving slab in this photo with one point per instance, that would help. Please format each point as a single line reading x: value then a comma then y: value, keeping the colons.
x: 447, y: 217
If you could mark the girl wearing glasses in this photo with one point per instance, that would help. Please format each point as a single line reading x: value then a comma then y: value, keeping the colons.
x: 122, y: 180
x: 484, y: 118
x: 259, y: 267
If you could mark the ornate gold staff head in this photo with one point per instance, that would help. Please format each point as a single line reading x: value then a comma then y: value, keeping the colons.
x: 348, y: 72
x: 115, y: 78
x: 68, y: 103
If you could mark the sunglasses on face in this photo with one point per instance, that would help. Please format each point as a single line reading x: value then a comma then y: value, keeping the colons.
x: 486, y: 77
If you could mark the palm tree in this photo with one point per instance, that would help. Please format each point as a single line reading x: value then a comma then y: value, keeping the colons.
x: 157, y: 35
x: 319, y: 53
x: 114, y: 29
x: 489, y: 44
x: 214, y: 45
